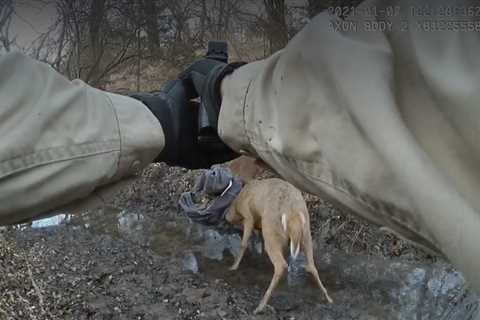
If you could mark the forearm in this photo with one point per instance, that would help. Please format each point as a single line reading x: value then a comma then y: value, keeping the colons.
x: 62, y: 139
x: 369, y: 120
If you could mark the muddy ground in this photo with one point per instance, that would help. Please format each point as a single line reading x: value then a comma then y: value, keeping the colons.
x: 140, y: 259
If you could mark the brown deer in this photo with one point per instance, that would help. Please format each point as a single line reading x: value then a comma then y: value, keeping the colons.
x: 278, y: 209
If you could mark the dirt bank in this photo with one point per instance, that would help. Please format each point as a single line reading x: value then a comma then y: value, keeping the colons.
x: 139, y: 260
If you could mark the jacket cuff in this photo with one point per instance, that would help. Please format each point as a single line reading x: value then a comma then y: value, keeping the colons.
x: 233, y: 115
x: 141, y: 135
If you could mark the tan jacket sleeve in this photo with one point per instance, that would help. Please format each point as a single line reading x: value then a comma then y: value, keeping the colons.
x: 60, y: 140
x: 385, y: 123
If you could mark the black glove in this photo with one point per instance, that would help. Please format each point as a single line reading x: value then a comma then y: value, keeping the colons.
x: 179, y: 120
x: 205, y: 76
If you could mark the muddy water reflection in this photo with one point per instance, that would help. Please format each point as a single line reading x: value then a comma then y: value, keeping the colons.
x: 363, y: 287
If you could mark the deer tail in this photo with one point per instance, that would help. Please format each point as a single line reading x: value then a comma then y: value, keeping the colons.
x: 293, y: 226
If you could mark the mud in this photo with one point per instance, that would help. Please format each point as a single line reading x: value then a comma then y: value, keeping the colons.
x: 140, y: 259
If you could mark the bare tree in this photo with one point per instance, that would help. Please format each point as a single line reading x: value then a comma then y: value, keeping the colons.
x: 89, y: 39
x: 203, y: 21
x: 220, y: 18
x: 236, y: 22
x: 96, y: 20
x: 93, y: 39
x: 183, y: 45
x: 315, y: 6
x: 151, y: 11
x: 276, y: 24
x: 6, y: 14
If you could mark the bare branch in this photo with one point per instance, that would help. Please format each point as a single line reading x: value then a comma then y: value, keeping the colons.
x: 6, y: 13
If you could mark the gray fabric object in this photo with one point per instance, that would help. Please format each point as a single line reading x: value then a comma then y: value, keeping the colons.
x: 217, y: 182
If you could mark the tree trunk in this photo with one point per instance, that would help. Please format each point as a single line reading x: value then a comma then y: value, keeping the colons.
x: 95, y: 20
x: 96, y: 16
x: 276, y: 24
x: 150, y: 11
x: 203, y: 22
x: 314, y: 7
x: 139, y: 59
x: 219, y: 34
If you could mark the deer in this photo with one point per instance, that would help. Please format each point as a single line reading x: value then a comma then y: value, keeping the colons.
x: 278, y: 209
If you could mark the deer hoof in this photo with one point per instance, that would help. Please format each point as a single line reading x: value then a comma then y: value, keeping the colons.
x: 258, y: 310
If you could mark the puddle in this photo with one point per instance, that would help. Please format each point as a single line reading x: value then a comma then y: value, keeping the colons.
x: 50, y: 221
x: 362, y: 287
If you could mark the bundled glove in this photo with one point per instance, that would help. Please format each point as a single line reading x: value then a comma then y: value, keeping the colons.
x: 179, y: 115
x: 205, y: 76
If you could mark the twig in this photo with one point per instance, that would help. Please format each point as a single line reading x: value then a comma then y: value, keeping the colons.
x: 242, y: 311
x: 326, y: 223
x: 356, y: 237
x: 37, y: 289
x: 25, y: 301
x: 341, y: 226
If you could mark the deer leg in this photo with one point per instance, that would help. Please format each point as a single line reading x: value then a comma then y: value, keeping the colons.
x: 279, y: 264
x: 311, y: 268
x: 248, y: 225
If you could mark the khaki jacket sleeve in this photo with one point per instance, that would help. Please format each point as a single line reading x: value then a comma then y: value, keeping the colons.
x: 61, y: 140
x: 385, y: 123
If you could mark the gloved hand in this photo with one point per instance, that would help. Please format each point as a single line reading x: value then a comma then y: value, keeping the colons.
x: 179, y: 120
x: 205, y: 76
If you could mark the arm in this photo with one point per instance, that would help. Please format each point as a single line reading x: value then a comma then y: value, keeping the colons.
x: 384, y: 123
x: 63, y: 140
x: 60, y: 140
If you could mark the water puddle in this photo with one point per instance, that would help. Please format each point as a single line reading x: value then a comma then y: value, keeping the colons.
x: 50, y: 221
x: 363, y: 287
